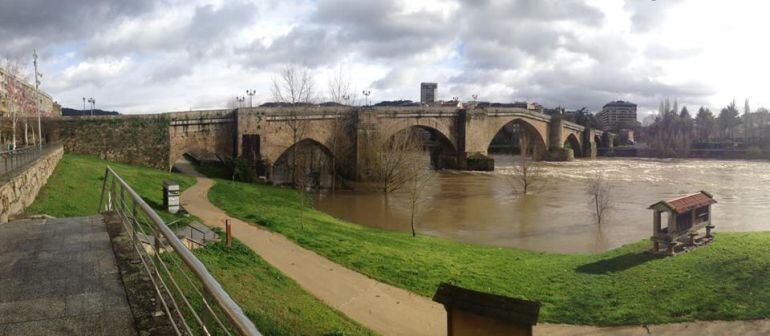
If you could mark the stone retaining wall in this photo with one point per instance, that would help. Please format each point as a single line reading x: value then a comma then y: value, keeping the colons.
x: 19, y: 189
x: 136, y: 140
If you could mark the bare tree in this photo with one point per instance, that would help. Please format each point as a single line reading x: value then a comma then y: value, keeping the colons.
x: 419, y: 179
x: 390, y: 161
x: 339, y: 88
x: 527, y: 174
x: 340, y: 145
x: 302, y: 175
x: 599, y: 194
x: 294, y: 86
x: 339, y: 141
x: 16, y: 97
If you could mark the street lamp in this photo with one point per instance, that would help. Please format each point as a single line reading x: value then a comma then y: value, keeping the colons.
x: 240, y: 100
x: 251, y: 96
x: 84, y: 104
x: 346, y: 98
x: 366, y: 94
x: 93, y: 105
x: 475, y: 97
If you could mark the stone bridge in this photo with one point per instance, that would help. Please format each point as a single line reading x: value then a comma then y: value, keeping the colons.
x: 265, y: 134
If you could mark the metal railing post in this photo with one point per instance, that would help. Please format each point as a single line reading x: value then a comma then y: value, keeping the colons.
x: 166, y: 241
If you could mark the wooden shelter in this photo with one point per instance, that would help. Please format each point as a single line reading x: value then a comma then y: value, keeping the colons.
x: 476, y: 313
x: 686, y: 216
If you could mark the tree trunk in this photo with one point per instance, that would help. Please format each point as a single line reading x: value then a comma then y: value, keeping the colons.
x: 413, y: 232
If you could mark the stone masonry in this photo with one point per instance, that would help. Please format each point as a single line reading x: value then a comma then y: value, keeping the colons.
x: 20, y: 188
x: 266, y: 133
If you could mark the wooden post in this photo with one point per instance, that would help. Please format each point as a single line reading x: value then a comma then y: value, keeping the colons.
x: 229, y: 233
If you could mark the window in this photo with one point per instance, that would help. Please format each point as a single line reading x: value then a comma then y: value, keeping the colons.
x: 702, y: 214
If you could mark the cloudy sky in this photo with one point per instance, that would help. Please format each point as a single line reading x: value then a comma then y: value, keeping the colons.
x: 147, y: 56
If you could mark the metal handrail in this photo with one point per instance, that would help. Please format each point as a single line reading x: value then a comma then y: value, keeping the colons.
x: 16, y: 158
x: 231, y: 309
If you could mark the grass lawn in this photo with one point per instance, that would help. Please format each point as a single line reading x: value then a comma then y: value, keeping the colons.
x: 75, y: 188
x: 276, y: 304
x: 729, y: 279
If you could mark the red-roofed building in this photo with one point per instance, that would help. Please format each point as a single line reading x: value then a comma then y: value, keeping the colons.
x: 686, y: 215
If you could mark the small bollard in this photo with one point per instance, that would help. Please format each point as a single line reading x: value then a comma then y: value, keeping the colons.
x: 228, y: 233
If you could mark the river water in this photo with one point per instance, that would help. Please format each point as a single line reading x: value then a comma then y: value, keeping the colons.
x: 479, y: 207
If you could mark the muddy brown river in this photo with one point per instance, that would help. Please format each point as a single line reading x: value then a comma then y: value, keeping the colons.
x: 480, y: 208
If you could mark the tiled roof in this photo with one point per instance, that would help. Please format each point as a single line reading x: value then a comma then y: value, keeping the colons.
x: 686, y: 203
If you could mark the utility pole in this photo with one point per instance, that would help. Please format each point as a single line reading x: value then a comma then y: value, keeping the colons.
x: 38, y: 78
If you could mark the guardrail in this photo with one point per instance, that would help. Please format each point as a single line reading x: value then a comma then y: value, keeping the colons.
x: 187, y: 293
x: 20, y: 157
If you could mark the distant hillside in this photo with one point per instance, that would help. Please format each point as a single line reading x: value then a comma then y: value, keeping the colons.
x: 70, y: 112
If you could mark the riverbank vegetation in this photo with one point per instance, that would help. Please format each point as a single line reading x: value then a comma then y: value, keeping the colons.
x: 729, y: 279
x: 276, y: 304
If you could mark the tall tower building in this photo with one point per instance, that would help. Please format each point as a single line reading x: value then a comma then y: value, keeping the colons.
x: 428, y: 93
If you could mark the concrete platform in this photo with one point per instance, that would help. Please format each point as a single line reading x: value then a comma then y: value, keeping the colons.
x: 59, y: 277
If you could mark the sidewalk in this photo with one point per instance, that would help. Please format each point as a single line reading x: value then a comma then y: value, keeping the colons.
x: 59, y: 277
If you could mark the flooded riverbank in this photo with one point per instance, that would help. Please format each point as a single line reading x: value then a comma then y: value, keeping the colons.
x: 481, y: 208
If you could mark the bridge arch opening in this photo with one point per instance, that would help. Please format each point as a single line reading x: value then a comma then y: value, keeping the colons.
x: 573, y: 143
x: 306, y: 164
x: 518, y: 137
x: 192, y: 160
x: 441, y: 151
x: 599, y: 142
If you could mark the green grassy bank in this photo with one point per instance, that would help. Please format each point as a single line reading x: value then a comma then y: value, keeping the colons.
x: 729, y: 279
x: 276, y: 304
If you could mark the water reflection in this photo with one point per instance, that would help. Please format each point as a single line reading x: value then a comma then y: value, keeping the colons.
x: 480, y: 208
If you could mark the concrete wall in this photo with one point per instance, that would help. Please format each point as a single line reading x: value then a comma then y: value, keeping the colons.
x: 19, y: 189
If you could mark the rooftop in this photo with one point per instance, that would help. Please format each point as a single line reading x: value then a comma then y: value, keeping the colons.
x: 686, y: 203
x: 489, y: 305
x: 620, y: 103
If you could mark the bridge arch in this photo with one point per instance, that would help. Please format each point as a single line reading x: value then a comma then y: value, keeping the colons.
x: 218, y: 143
x: 573, y: 141
x: 443, y: 152
x: 312, y: 167
x: 598, y: 141
x: 537, y: 134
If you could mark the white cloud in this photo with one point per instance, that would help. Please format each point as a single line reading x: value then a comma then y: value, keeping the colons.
x: 172, y: 54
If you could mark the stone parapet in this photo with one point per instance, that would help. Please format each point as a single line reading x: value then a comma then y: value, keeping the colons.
x: 19, y: 189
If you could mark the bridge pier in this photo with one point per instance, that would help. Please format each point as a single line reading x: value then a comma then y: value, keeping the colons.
x: 556, y: 150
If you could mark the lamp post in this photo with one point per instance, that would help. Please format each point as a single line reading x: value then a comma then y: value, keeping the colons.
x: 251, y: 97
x: 346, y: 98
x: 475, y: 97
x: 84, y: 104
x: 366, y: 94
x: 92, y: 101
x: 240, y: 100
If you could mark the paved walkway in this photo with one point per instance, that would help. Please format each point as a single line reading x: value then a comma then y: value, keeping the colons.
x: 390, y: 310
x: 59, y: 277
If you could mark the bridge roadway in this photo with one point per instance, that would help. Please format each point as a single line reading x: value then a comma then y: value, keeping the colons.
x: 59, y: 277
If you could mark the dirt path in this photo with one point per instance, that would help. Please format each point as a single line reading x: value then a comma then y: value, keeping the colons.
x: 389, y: 310
x: 383, y: 308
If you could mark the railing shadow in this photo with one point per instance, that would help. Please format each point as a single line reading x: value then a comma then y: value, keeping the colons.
x: 617, y: 264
